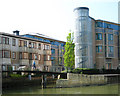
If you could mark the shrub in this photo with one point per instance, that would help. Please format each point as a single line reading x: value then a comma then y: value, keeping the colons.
x: 79, y: 70
x: 16, y: 75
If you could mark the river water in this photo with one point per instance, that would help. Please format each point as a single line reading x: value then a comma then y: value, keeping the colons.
x: 103, y: 89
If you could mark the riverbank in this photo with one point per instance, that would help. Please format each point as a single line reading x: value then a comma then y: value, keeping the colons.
x: 51, y: 88
x: 12, y: 83
x: 76, y: 80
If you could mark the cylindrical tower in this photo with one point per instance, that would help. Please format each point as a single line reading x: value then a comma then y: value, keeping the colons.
x: 83, y: 38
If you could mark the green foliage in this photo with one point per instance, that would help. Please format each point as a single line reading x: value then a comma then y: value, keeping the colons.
x: 80, y: 70
x: 64, y: 71
x: 69, y: 57
x: 103, y: 68
x: 16, y: 75
x: 9, y: 68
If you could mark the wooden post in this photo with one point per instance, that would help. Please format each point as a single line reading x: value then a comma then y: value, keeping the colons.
x: 53, y: 76
x: 44, y: 80
x: 29, y: 75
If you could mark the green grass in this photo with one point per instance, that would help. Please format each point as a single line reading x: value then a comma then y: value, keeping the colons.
x: 16, y: 75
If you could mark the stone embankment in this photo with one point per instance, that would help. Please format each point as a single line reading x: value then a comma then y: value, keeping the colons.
x: 76, y: 80
x: 24, y: 81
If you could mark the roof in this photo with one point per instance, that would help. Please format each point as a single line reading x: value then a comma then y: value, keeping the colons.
x: 92, y: 18
x: 108, y: 22
x: 81, y: 8
x: 19, y: 36
x: 44, y: 37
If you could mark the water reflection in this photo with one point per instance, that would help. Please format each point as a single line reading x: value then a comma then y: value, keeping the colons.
x: 104, y: 89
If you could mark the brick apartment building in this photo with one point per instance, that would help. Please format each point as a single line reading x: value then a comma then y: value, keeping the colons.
x: 96, y: 41
x: 18, y: 51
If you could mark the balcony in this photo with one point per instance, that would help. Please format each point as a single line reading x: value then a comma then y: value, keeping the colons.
x: 109, y: 55
x: 47, y: 52
x: 5, y: 61
x: 110, y: 42
x: 48, y: 63
x: 24, y: 62
x: 23, y: 49
x: 5, y: 47
x: 54, y: 47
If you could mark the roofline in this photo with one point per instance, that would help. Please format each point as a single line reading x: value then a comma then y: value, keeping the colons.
x: 81, y: 8
x: 46, y: 38
x: 92, y: 18
x: 108, y: 22
x: 12, y: 35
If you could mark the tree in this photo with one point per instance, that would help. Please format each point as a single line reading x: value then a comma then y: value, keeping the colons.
x: 69, y: 57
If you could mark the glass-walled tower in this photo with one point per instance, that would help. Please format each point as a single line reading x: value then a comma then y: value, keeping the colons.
x: 83, y: 38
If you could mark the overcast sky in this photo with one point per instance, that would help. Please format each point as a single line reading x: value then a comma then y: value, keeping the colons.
x: 53, y: 18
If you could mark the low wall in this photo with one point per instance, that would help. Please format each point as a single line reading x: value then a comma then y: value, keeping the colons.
x: 76, y: 80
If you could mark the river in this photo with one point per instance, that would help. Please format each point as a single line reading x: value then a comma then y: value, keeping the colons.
x: 103, y: 89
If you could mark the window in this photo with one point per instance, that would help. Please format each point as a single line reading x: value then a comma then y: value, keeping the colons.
x: 108, y: 26
x: 105, y: 39
x: 3, y: 40
x: 0, y: 40
x: 30, y: 56
x: 110, y: 36
x: 30, y: 45
x: 25, y: 43
x: 53, y: 51
x: 39, y: 46
x: 48, y: 57
x: 111, y: 49
x: 35, y: 56
x: 108, y: 66
x: 35, y: 45
x: 6, y: 54
x: 20, y: 55
x: 1, y: 54
x: 39, y: 57
x: 3, y: 68
x: 13, y: 55
x: 44, y: 57
x: 13, y: 67
x: 46, y: 47
x: 46, y: 68
x: 25, y: 55
x: 98, y: 36
x: 7, y: 40
x: 98, y: 49
x: 14, y: 42
x: 99, y: 24
x: 20, y: 43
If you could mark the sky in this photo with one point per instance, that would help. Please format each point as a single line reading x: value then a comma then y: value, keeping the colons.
x: 54, y: 18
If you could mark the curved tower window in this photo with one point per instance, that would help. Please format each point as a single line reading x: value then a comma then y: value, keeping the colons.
x: 83, y: 38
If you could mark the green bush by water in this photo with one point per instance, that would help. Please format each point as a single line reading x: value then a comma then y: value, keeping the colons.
x: 17, y: 75
x: 79, y: 70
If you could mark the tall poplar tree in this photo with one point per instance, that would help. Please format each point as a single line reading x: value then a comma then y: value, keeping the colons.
x: 69, y: 57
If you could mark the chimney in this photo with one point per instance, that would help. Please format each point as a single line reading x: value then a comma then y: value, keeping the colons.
x: 16, y: 32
